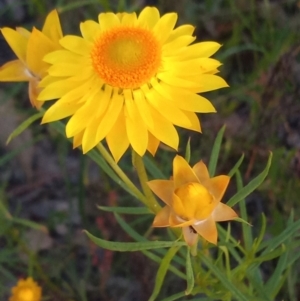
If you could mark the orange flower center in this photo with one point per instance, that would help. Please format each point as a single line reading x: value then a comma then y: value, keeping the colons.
x: 126, y: 57
x: 26, y: 294
x: 196, y: 200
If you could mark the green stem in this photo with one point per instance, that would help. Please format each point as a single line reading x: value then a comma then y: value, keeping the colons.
x: 141, y: 172
x: 108, y: 158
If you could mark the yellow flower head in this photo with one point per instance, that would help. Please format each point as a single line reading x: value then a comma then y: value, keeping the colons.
x: 26, y: 290
x: 130, y: 79
x: 30, y: 48
x: 193, y: 201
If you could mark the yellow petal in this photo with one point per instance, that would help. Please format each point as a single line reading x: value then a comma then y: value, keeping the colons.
x: 211, y: 82
x: 162, y: 217
x: 182, y: 30
x: 197, y: 201
x: 117, y: 140
x: 38, y: 46
x: 76, y: 44
x: 23, y: 31
x: 162, y: 129
x: 175, y: 222
x: 193, y: 67
x: 178, y: 81
x: 143, y: 107
x: 129, y: 19
x: 172, y: 114
x: 90, y: 30
x: 110, y: 116
x: 194, y: 121
x: 175, y: 45
x: 136, y: 129
x: 148, y: 17
x: 64, y: 56
x: 33, y: 92
x: 92, y: 109
x: 192, y: 102
x: 203, y: 49
x: 14, y: 71
x: 17, y: 42
x: 189, y: 236
x: 108, y: 21
x: 77, y: 140
x: 89, y: 137
x: 182, y: 172
x: 52, y: 28
x: 178, y: 206
x: 201, y: 171
x: 68, y: 69
x: 163, y: 189
x: 223, y: 213
x: 57, y: 89
x: 153, y: 144
x: 164, y: 27
x: 217, y: 186
x: 59, y: 111
x: 207, y: 229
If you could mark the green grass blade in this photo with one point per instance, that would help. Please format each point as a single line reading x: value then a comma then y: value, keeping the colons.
x: 23, y: 126
x: 133, y: 246
x: 129, y: 230
x: 247, y: 233
x: 215, y: 152
x: 224, y: 279
x: 280, y: 239
x: 251, y: 186
x: 162, y: 271
x: 189, y: 273
x: 187, y: 155
x: 273, y: 283
x: 125, y: 210
x: 236, y: 166
x: 152, y: 168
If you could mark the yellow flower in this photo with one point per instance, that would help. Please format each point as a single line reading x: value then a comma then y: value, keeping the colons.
x: 193, y: 201
x: 130, y: 79
x: 26, y: 290
x: 30, y: 48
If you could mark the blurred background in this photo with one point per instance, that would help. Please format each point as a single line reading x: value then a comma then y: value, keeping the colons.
x: 43, y: 180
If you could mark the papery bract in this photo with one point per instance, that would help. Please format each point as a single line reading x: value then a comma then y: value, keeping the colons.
x: 30, y: 49
x: 193, y: 201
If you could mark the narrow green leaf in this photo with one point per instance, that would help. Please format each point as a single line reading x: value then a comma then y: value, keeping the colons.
x: 247, y: 233
x: 189, y: 273
x: 24, y: 125
x: 251, y: 186
x: 158, y: 259
x: 153, y: 169
x: 224, y: 279
x: 188, y: 151
x: 30, y: 224
x: 129, y: 230
x: 126, y: 210
x: 271, y: 244
x: 136, y: 236
x: 260, y: 238
x: 236, y: 166
x: 175, y: 297
x: 162, y: 271
x: 133, y: 246
x: 272, y: 285
x: 215, y: 152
